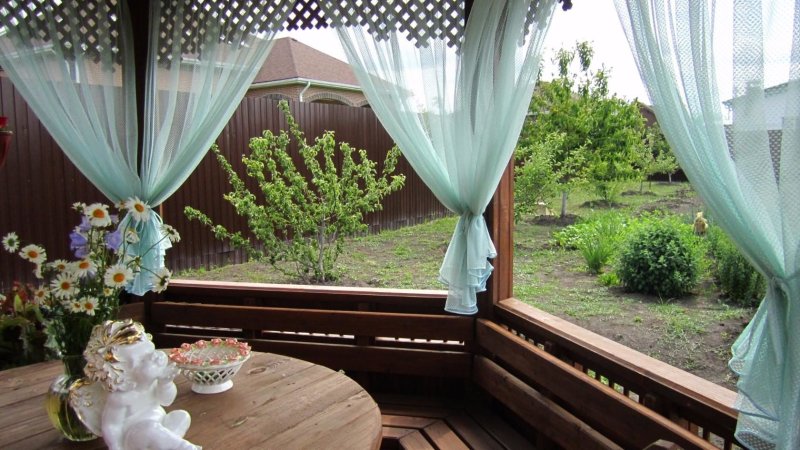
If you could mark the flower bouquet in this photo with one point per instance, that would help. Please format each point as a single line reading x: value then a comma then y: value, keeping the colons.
x: 76, y: 295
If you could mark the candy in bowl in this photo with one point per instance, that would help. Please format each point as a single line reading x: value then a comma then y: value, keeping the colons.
x: 210, y: 364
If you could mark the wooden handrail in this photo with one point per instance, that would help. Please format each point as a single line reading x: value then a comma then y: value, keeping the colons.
x: 697, y: 404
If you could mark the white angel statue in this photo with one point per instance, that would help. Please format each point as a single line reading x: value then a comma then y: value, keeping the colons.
x: 127, y: 384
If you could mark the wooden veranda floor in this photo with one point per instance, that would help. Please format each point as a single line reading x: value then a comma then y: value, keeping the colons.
x: 411, y: 422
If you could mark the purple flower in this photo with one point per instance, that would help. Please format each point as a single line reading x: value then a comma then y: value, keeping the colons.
x: 78, y: 244
x: 85, y: 226
x: 114, y: 240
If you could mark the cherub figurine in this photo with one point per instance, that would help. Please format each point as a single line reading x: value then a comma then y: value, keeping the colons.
x: 127, y: 384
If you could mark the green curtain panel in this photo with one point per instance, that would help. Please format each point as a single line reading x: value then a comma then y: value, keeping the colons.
x: 73, y: 63
x: 453, y: 95
x: 723, y: 79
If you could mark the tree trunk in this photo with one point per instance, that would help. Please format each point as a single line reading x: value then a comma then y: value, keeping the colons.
x: 321, y: 248
x: 563, y: 204
x: 670, y: 177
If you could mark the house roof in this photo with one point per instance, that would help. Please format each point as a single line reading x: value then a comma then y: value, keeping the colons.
x: 293, y: 60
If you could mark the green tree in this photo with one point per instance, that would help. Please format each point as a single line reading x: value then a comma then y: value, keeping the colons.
x: 657, y: 156
x: 535, y: 177
x: 603, y: 133
x: 302, y: 219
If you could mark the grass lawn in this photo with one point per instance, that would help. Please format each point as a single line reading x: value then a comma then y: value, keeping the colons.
x: 694, y: 333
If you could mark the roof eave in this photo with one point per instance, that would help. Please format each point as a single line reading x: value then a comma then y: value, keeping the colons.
x: 305, y: 81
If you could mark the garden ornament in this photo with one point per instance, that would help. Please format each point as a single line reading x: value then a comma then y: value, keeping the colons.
x: 127, y: 384
x: 700, y: 224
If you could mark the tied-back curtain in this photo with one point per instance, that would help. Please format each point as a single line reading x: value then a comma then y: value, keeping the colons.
x: 73, y: 62
x: 741, y: 152
x: 453, y: 96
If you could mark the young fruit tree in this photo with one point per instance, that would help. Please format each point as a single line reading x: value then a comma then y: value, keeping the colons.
x: 297, y: 222
x: 602, y: 133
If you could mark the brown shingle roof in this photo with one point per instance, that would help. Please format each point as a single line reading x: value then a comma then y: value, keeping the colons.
x: 291, y: 59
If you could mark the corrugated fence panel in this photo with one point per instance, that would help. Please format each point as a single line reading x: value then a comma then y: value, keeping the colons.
x: 38, y: 183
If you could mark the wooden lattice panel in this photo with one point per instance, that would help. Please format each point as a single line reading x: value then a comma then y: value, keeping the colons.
x: 230, y: 21
x: 92, y: 26
x: 419, y: 20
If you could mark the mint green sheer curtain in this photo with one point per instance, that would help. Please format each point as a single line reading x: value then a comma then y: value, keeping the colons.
x: 82, y: 88
x: 455, y: 109
x: 743, y: 158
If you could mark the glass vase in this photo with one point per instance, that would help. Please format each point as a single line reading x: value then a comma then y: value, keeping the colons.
x: 59, y: 410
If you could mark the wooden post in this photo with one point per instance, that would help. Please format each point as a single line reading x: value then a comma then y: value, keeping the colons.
x: 500, y: 220
x: 140, y: 24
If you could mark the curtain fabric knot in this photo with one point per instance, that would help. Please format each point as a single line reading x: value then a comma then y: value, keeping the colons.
x: 466, y: 267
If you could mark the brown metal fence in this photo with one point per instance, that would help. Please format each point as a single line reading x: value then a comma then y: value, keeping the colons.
x: 38, y: 183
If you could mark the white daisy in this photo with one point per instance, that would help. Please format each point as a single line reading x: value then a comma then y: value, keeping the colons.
x: 138, y: 209
x: 11, y: 242
x: 64, y: 286
x: 89, y: 305
x: 171, y: 233
x: 107, y: 291
x: 37, y: 271
x: 84, y: 267
x: 161, y: 279
x: 60, y: 265
x: 33, y: 253
x: 40, y: 296
x: 75, y: 305
x: 98, y: 215
x: 117, y: 276
x: 78, y: 206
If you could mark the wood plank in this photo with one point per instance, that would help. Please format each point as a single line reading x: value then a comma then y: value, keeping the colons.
x: 190, y: 288
x: 394, y: 433
x: 415, y: 441
x: 458, y: 328
x: 443, y: 436
x: 472, y: 432
x: 619, y: 417
x: 391, y: 420
x: 546, y: 416
x: 497, y: 428
x: 700, y: 400
x: 350, y: 357
x: 21, y: 383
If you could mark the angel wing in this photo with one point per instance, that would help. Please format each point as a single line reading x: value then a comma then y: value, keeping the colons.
x: 88, y: 399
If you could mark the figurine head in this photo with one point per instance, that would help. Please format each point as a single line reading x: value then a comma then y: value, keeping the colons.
x: 113, y: 350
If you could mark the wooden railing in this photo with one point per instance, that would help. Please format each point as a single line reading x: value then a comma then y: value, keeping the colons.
x: 696, y: 405
x: 400, y: 332
x: 573, y: 387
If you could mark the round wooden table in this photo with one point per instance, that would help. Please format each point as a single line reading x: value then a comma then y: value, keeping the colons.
x: 276, y: 402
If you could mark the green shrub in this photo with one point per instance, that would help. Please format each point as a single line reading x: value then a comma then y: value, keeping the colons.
x: 738, y: 280
x: 609, y: 279
x: 661, y: 257
x: 597, y: 238
x: 609, y: 225
x: 597, y: 253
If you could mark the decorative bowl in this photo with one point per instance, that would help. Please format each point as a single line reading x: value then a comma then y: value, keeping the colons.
x: 210, y: 364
